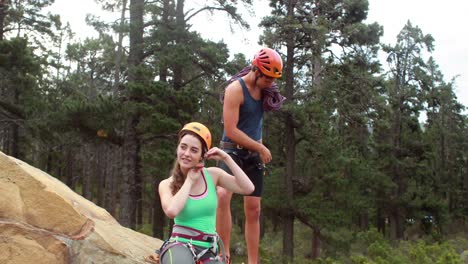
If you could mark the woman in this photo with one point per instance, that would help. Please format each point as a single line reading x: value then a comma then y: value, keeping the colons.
x: 189, y: 197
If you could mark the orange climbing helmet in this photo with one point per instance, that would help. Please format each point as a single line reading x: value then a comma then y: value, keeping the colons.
x: 199, y: 129
x: 269, y: 62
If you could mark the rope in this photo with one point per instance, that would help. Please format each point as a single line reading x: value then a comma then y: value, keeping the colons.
x: 272, y: 99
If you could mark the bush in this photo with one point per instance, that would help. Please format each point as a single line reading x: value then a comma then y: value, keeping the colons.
x: 381, y: 252
x: 368, y: 247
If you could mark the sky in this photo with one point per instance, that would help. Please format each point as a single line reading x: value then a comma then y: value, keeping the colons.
x: 445, y: 20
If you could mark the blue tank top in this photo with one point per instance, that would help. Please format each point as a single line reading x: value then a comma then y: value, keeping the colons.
x: 250, y: 116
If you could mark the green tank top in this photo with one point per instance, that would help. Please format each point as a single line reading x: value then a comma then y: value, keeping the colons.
x: 200, y: 211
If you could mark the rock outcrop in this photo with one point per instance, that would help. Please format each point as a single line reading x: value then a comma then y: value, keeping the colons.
x: 44, y: 221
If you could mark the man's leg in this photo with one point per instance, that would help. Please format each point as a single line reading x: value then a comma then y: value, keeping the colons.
x: 223, y: 218
x: 252, y: 227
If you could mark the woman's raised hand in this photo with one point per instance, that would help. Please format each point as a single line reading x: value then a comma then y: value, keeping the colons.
x: 216, y: 154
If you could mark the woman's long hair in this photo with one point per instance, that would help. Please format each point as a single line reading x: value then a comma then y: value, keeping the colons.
x: 178, y: 178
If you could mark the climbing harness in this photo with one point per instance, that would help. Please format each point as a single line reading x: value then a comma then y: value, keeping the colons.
x: 200, y: 256
x: 243, y: 155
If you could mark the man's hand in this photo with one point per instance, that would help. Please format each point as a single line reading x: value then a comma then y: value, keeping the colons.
x: 265, y: 154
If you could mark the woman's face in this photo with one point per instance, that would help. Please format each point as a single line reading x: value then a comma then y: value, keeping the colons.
x: 189, y: 151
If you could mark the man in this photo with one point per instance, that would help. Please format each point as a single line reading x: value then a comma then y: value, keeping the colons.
x: 251, y: 92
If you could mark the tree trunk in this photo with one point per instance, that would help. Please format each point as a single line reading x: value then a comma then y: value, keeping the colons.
x: 288, y: 238
x: 69, y: 174
x: 3, y: 10
x: 364, y: 221
x: 4, y: 139
x: 47, y: 167
x: 288, y: 225
x: 396, y: 226
x: 101, y: 171
x: 380, y: 222
x: 262, y: 225
x: 159, y: 219
x: 119, y: 54
x: 163, y: 71
x: 113, y: 160
x: 393, y: 225
x: 180, y: 28
x: 276, y: 223
x: 14, y: 148
x: 139, y: 198
x: 60, y: 164
x: 131, y: 143
x: 316, y: 244
x: 129, y: 171
x: 87, y: 163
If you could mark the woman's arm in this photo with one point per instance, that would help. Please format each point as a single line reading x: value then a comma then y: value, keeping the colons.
x: 173, y: 204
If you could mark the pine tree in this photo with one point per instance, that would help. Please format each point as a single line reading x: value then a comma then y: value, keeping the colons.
x: 398, y: 131
x: 308, y: 30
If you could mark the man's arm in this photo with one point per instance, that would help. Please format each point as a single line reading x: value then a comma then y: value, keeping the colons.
x: 233, y: 99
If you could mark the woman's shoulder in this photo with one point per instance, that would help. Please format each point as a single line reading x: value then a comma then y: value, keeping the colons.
x: 213, y: 170
x: 215, y: 173
x: 166, y: 182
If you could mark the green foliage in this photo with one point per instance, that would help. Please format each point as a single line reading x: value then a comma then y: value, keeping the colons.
x: 22, y: 98
x: 90, y: 116
x: 368, y: 247
x: 146, y: 229
x: 380, y: 251
x: 27, y: 16
x: 17, y: 56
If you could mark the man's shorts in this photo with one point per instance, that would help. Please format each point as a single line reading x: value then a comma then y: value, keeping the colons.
x: 251, y: 164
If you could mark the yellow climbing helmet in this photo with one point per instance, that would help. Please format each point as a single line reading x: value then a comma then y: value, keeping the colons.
x: 199, y: 129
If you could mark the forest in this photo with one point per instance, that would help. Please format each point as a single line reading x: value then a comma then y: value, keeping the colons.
x: 370, y: 157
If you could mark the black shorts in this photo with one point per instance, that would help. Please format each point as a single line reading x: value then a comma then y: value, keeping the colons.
x: 251, y: 164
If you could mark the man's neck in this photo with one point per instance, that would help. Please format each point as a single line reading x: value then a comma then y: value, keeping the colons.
x: 251, y: 81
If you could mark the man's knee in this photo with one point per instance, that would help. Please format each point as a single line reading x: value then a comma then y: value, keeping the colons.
x: 252, y: 211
